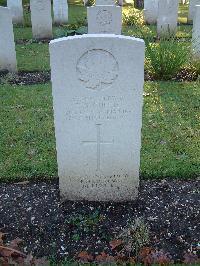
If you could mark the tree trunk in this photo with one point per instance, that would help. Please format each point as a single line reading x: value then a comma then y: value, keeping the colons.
x: 139, y: 4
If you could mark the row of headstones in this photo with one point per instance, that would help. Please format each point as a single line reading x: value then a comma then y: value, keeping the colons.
x: 41, y: 25
x: 41, y: 19
x: 165, y: 13
x: 101, y: 19
x: 155, y: 11
x: 60, y: 10
x: 105, y: 17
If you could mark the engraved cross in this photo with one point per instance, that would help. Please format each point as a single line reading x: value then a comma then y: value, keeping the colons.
x: 98, y: 143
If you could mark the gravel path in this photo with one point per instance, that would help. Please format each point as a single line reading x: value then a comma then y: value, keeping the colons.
x: 49, y: 227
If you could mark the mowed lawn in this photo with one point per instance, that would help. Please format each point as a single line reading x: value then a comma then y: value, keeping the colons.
x: 170, y: 133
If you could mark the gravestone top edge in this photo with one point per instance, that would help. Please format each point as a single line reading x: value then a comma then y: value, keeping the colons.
x: 4, y: 8
x: 104, y: 5
x: 88, y: 36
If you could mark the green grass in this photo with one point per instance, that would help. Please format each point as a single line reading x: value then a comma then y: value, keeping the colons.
x: 170, y: 146
x: 22, y: 33
x: 33, y: 57
x: 76, y: 13
x: 27, y: 134
x: 183, y: 31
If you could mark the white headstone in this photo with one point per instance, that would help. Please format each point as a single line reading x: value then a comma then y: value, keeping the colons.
x: 192, y: 7
x: 105, y: 2
x: 151, y: 11
x: 85, y: 2
x: 97, y: 84
x: 41, y: 19
x: 183, y: 2
x: 167, y: 17
x: 104, y: 19
x: 196, y: 33
x: 60, y: 10
x: 16, y: 8
x: 7, y: 45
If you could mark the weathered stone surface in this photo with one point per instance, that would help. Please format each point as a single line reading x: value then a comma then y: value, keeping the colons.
x: 41, y: 19
x: 16, y: 8
x: 60, y: 10
x: 7, y: 46
x: 151, y: 11
x: 104, y: 19
x: 97, y: 84
x: 167, y: 17
x: 196, y: 33
x: 192, y: 8
x: 104, y: 2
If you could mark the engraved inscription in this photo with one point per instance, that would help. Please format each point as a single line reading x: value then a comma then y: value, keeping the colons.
x: 98, y: 143
x: 97, y: 69
x: 101, y: 181
x: 103, y: 108
x: 104, y: 17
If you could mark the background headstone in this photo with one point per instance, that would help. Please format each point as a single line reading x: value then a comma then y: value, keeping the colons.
x: 167, y: 17
x: 41, y: 19
x: 183, y: 2
x: 104, y: 2
x: 16, y: 8
x: 85, y: 2
x: 7, y: 46
x: 192, y: 8
x: 60, y: 10
x: 196, y: 33
x: 150, y: 11
x: 104, y: 19
x: 97, y: 83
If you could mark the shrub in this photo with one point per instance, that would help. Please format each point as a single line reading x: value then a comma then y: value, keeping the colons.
x: 134, y: 236
x: 132, y: 16
x: 90, y: 3
x: 166, y: 57
x: 71, y: 29
x: 194, y: 66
